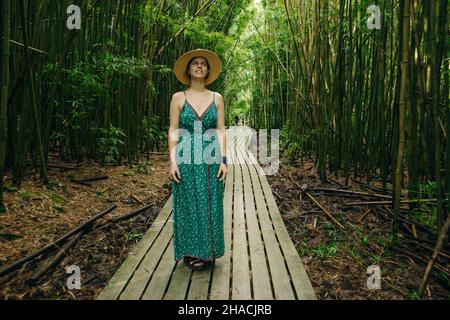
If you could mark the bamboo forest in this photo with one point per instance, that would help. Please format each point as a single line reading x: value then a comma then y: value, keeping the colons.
x: 348, y: 101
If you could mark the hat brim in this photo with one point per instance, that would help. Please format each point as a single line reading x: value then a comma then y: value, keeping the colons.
x: 213, y: 59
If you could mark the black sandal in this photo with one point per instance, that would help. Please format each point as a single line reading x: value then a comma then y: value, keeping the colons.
x: 187, y: 260
x: 193, y: 263
x: 198, y: 264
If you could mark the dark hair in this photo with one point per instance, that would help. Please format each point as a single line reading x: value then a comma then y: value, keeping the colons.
x: 189, y: 63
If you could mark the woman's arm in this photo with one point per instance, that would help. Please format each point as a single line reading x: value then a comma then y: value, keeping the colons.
x: 221, y: 130
x: 173, y: 136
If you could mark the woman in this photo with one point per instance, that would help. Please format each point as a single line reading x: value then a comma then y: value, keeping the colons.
x: 198, y: 172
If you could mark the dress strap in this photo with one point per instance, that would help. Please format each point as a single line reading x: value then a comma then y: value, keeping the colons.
x: 213, y: 96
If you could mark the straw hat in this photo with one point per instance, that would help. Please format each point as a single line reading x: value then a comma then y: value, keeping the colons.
x: 181, y: 65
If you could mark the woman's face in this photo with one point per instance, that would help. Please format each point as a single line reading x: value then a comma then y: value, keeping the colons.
x: 198, y: 68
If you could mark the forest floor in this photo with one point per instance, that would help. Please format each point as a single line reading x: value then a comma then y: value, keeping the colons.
x: 336, y: 259
x: 37, y: 215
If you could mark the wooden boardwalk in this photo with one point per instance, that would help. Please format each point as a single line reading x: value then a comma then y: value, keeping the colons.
x: 260, y: 260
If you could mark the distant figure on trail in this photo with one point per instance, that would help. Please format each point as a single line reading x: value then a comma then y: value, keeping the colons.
x: 236, y: 120
x: 197, y: 188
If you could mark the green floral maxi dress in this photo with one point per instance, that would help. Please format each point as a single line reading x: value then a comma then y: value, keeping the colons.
x: 198, y: 197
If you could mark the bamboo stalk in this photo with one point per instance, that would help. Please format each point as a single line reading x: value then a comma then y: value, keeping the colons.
x: 44, y: 174
x: 4, y: 85
x: 402, y: 108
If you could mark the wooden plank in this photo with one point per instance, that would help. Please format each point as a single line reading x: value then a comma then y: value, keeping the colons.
x: 123, y: 274
x: 241, y: 159
x: 160, y: 279
x: 230, y: 148
x: 220, y: 286
x: 250, y: 135
x: 179, y: 282
x: 296, y: 269
x: 241, y: 276
x: 298, y: 273
x: 143, y: 273
x: 260, y: 274
x: 199, y: 285
x: 253, y: 161
x: 280, y: 277
x: 240, y: 138
x: 233, y: 155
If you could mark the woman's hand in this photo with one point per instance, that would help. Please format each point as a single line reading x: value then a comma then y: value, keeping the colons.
x: 174, y: 173
x: 222, y: 171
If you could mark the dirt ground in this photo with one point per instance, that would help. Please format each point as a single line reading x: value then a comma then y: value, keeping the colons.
x: 337, y: 259
x: 37, y: 215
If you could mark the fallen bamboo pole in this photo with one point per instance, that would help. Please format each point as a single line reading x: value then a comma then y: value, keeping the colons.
x: 315, y: 201
x: 80, y: 182
x: 18, y: 263
x: 61, y: 254
x: 93, y: 179
x: 387, y: 202
x: 436, y: 251
x: 352, y: 192
x: 123, y: 217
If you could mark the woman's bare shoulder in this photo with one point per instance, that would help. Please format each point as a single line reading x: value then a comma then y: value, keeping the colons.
x: 178, y: 95
x: 218, y: 98
x: 217, y: 94
x: 178, y: 98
